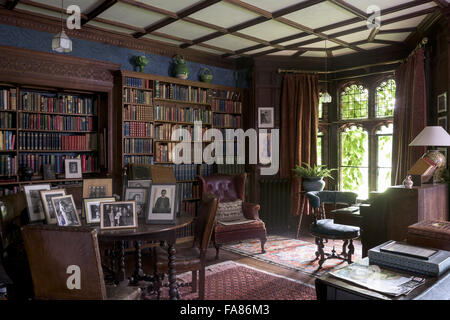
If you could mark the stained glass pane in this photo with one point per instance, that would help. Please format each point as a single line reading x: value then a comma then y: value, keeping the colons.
x: 385, y: 99
x: 354, y: 102
x: 319, y: 148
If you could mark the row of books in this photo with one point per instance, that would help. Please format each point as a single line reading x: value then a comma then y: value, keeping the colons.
x: 89, y: 163
x: 6, y: 120
x: 163, y: 152
x: 34, y: 101
x: 185, y: 172
x: 7, y: 165
x: 138, y: 83
x: 189, y: 207
x: 189, y: 190
x: 7, y: 140
x: 165, y: 131
x: 138, y: 129
x: 226, y: 120
x: 225, y: 94
x: 137, y: 96
x: 138, y: 146
x: 226, y: 106
x: 180, y: 92
x: 138, y: 159
x: 230, y: 168
x: 143, y: 113
x: 55, y: 122
x: 9, y: 190
x: 57, y: 141
x: 180, y: 114
x: 8, y: 99
x: 206, y: 169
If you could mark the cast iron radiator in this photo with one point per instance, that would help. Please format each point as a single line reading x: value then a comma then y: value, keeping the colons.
x: 274, y: 200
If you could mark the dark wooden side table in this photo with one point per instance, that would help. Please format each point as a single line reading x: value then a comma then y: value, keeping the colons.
x: 147, y: 232
x: 331, y: 288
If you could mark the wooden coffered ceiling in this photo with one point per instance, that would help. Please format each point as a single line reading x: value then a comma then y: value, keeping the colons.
x: 250, y: 28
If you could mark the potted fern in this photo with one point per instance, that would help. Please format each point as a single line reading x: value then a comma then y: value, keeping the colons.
x: 312, y: 176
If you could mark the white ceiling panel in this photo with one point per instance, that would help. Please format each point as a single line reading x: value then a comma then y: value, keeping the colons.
x: 230, y: 42
x: 321, y: 44
x: 157, y: 38
x: 32, y: 9
x: 196, y: 47
x: 128, y: 14
x: 408, y: 11
x: 315, y: 54
x: 393, y: 36
x: 362, y: 35
x: 269, y: 30
x: 341, y: 52
x: 85, y: 5
x: 258, y: 50
x: 273, y: 5
x: 110, y: 27
x: 320, y: 15
x: 170, y: 5
x: 187, y: 30
x: 345, y: 28
x: 297, y: 40
x: 382, y: 4
x: 230, y: 15
x: 370, y: 46
x: 283, y: 53
x: 410, y: 23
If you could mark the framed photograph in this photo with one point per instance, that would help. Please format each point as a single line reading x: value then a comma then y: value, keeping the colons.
x: 442, y: 121
x: 48, y: 172
x: 266, y: 117
x: 161, y: 204
x: 139, y: 183
x: 66, y: 211
x: 442, y: 102
x: 140, y: 171
x: 265, y: 148
x: 140, y: 196
x: 72, y: 168
x: 92, y: 208
x: 46, y: 197
x: 97, y: 188
x: 118, y: 215
x: 34, y: 201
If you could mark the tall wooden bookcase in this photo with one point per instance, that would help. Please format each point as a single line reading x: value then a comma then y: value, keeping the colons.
x: 152, y: 106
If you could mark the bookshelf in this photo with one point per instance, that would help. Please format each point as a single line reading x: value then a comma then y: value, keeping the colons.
x: 174, y: 104
x: 45, y: 125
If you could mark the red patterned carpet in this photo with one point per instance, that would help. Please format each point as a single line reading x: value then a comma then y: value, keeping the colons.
x: 293, y: 254
x: 234, y: 281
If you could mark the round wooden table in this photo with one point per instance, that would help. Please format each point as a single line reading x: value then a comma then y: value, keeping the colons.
x: 148, y: 232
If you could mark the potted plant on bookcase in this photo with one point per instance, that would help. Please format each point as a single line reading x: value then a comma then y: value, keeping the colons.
x: 312, y: 176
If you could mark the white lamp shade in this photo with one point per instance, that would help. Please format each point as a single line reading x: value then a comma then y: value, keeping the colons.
x: 61, y: 42
x: 432, y: 136
x: 326, y: 97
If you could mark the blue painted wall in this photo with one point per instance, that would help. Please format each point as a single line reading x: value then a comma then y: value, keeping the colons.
x: 159, y: 65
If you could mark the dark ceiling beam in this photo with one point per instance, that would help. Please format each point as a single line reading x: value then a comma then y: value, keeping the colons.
x: 11, y: 4
x: 118, y: 24
x: 389, y: 42
x: 296, y: 7
x: 441, y: 3
x: 399, y: 30
x: 251, y: 8
x: 255, y: 47
x: 298, y: 53
x: 373, y: 34
x: 289, y: 38
x: 98, y: 10
x: 349, y: 8
x: 262, y: 53
x: 150, y: 8
x: 202, y: 39
x: 403, y: 6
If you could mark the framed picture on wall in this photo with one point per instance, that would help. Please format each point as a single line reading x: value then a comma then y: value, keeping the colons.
x: 266, y: 117
x: 442, y: 121
x: 442, y: 102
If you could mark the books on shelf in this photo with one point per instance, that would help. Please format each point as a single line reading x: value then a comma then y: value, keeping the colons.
x: 189, y: 190
x: 89, y: 162
x: 185, y: 172
x: 164, y: 131
x: 32, y: 121
x: 163, y: 152
x: 142, y: 113
x: 138, y: 82
x: 8, y: 99
x: 137, y: 145
x: 180, y: 113
x: 226, y: 94
x: 7, y: 140
x: 138, y: 129
x: 138, y: 159
x: 226, y: 106
x: 5, y: 191
x: 435, y: 264
x: 57, y: 141
x: 181, y: 92
x: 227, y: 120
x: 48, y: 102
x: 137, y: 96
x: 6, y: 120
x: 7, y: 165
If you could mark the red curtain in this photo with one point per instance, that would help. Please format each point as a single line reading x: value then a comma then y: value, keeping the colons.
x: 410, y: 115
x: 299, y: 124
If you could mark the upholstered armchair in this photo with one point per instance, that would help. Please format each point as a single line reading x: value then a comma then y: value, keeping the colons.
x: 231, y: 188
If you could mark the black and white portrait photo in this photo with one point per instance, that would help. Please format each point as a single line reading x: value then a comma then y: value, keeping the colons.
x: 46, y: 197
x: 34, y: 201
x: 139, y: 195
x: 97, y: 188
x: 72, y: 168
x: 66, y: 212
x: 92, y: 208
x: 161, y: 204
x: 139, y: 183
x: 265, y: 117
x: 118, y: 215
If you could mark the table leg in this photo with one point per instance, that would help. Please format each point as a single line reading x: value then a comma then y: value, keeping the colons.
x: 172, y: 278
x: 300, y: 216
x: 138, y: 273
x: 121, y: 274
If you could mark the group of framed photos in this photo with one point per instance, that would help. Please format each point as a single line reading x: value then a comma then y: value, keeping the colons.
x: 72, y: 170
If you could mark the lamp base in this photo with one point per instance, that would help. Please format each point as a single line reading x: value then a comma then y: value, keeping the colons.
x: 439, y: 159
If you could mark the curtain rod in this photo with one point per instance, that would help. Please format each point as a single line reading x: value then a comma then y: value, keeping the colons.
x: 341, y: 70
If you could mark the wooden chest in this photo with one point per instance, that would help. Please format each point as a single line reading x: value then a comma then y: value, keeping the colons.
x: 430, y: 233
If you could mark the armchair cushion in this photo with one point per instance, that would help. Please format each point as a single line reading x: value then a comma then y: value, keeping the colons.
x: 229, y: 211
x: 326, y: 228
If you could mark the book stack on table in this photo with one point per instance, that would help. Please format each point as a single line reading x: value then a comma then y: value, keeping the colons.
x: 403, y: 256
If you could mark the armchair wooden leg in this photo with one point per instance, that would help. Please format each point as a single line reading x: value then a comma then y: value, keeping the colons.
x: 194, y: 280
x: 201, y: 284
x: 263, y: 242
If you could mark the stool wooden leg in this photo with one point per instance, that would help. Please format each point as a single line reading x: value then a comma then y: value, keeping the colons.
x: 320, y: 247
x: 351, y: 250
x: 317, y: 252
x: 344, y: 248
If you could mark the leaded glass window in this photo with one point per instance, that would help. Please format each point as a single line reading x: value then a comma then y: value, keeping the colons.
x: 385, y: 99
x: 354, y: 102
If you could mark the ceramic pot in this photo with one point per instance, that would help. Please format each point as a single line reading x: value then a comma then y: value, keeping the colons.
x: 408, y: 183
x: 141, y: 62
x: 180, y: 69
x: 206, y: 75
x: 313, y: 184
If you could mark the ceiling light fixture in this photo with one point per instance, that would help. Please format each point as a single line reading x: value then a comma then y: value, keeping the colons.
x: 61, y: 42
x: 326, y: 97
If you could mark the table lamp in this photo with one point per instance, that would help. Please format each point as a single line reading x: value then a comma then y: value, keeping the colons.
x: 434, y: 136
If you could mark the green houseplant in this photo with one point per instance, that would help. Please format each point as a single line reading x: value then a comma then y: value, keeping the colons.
x: 313, y: 176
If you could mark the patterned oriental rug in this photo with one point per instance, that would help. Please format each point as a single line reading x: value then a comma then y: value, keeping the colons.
x: 230, y: 280
x: 293, y: 254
